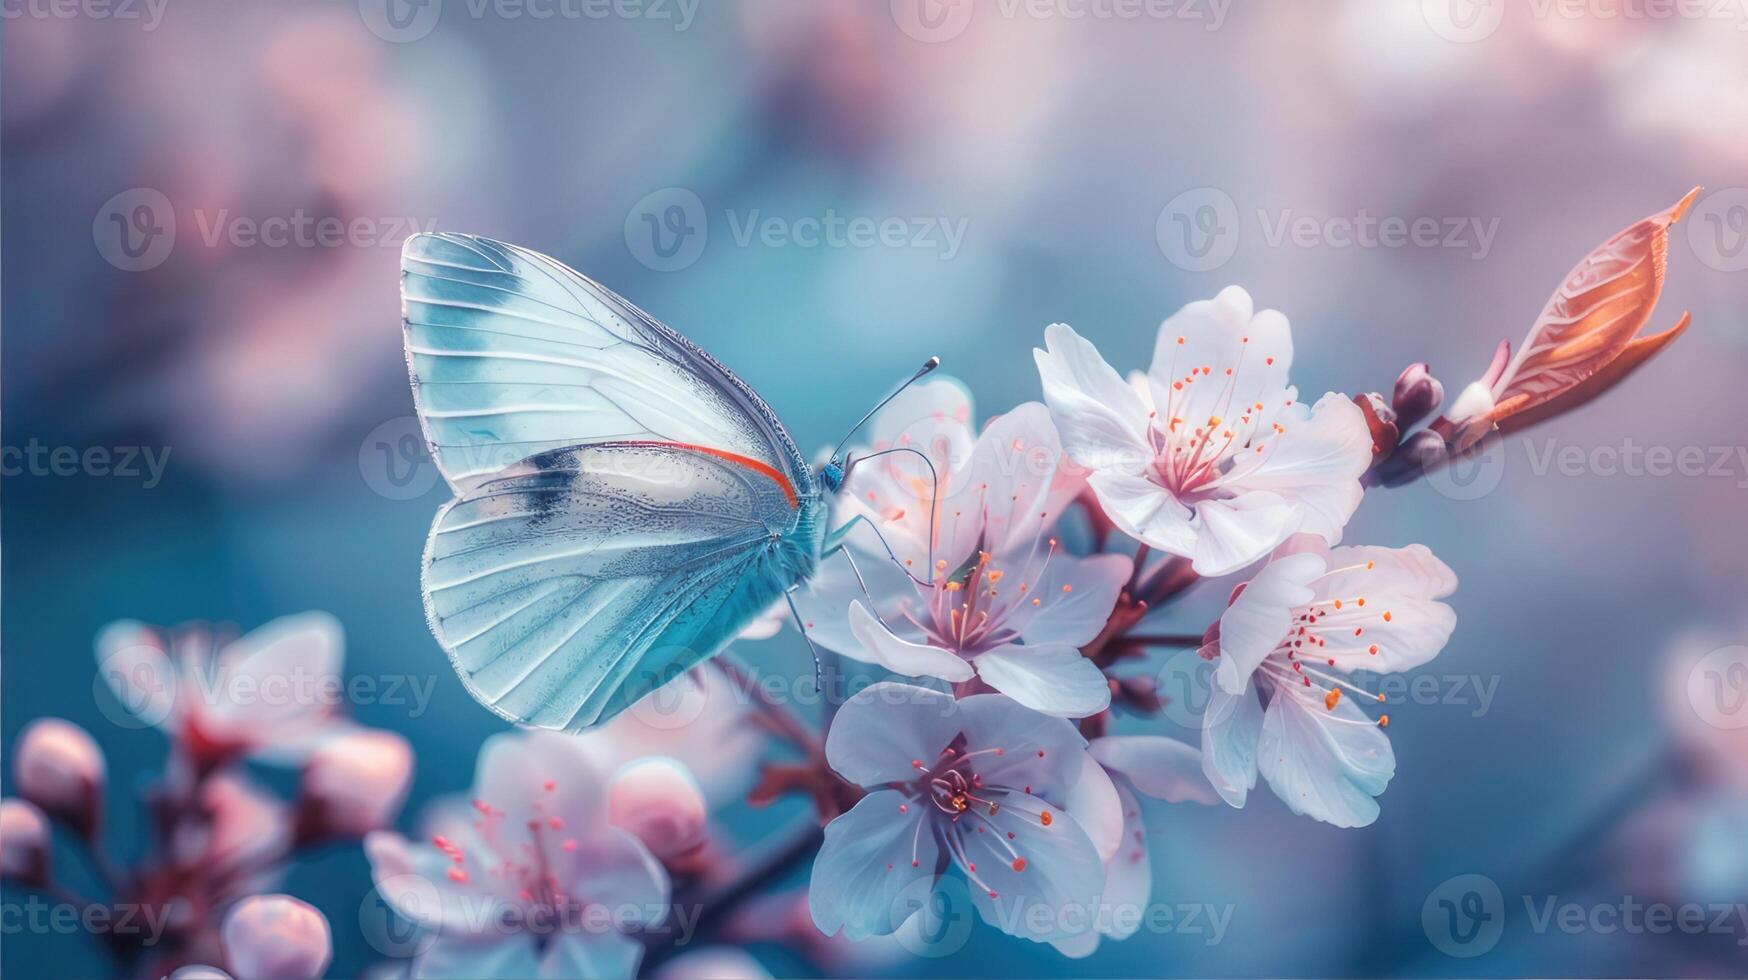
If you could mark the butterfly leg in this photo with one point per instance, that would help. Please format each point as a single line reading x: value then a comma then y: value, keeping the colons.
x: 834, y: 541
x: 800, y: 624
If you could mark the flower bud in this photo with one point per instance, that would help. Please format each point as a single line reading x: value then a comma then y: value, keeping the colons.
x: 24, y: 843
x: 659, y: 801
x: 1419, y: 453
x: 276, y: 937
x: 1417, y: 395
x: 354, y: 784
x: 58, y: 767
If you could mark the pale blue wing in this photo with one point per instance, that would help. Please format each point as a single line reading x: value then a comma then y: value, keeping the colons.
x: 581, y: 580
x: 511, y: 353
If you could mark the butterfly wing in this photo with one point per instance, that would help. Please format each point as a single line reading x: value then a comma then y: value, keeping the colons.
x: 571, y: 586
x: 622, y: 498
x: 512, y: 353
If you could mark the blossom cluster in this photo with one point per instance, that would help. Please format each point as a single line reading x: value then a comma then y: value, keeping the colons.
x: 1009, y: 581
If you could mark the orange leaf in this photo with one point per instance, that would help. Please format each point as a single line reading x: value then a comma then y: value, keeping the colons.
x: 1616, y: 371
x: 1591, y: 319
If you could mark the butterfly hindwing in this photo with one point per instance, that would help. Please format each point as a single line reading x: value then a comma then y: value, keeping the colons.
x: 567, y: 589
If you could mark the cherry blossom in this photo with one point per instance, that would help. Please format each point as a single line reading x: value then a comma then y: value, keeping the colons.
x: 529, y: 878
x: 1007, y: 796
x: 1210, y: 455
x: 1285, y: 703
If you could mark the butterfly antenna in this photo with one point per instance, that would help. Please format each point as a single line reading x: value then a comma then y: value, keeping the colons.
x: 934, y: 502
x: 928, y: 365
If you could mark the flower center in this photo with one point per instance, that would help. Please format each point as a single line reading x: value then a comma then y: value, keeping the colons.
x: 1324, y: 632
x: 974, y: 611
x: 1192, y: 454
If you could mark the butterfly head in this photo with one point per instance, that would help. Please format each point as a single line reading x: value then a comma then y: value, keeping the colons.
x: 832, y: 474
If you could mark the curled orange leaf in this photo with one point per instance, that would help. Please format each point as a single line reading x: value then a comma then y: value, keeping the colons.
x: 1583, y: 342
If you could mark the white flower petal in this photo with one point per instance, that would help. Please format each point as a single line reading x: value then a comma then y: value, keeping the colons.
x: 1163, y: 768
x: 1316, y: 465
x: 1074, y: 599
x: 1234, y: 533
x: 1231, y: 725
x: 1146, y: 511
x: 901, y: 656
x: 1054, y: 678
x: 1102, y: 420
x: 1262, y: 615
x: 1325, y: 764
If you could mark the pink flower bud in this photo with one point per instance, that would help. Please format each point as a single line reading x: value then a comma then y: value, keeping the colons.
x: 24, y: 842
x: 58, y: 767
x: 276, y: 937
x: 1418, y: 394
x: 354, y: 784
x: 659, y: 801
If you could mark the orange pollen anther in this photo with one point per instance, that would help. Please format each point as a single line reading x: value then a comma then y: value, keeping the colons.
x: 1331, y: 699
x: 1045, y: 818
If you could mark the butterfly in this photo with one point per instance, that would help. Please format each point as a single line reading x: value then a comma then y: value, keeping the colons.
x: 624, y: 504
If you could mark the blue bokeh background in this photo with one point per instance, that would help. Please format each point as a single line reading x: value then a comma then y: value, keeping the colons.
x: 274, y: 377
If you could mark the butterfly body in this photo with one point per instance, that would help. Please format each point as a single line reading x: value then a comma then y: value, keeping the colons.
x: 624, y: 504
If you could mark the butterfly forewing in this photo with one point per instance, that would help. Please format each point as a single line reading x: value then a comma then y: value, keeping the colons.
x: 512, y: 354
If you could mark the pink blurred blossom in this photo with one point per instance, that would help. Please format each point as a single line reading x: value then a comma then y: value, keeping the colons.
x: 58, y: 767
x: 353, y: 784
x: 24, y: 842
x: 276, y: 937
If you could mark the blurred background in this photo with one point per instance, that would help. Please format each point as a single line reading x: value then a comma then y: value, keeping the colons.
x: 203, y: 206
